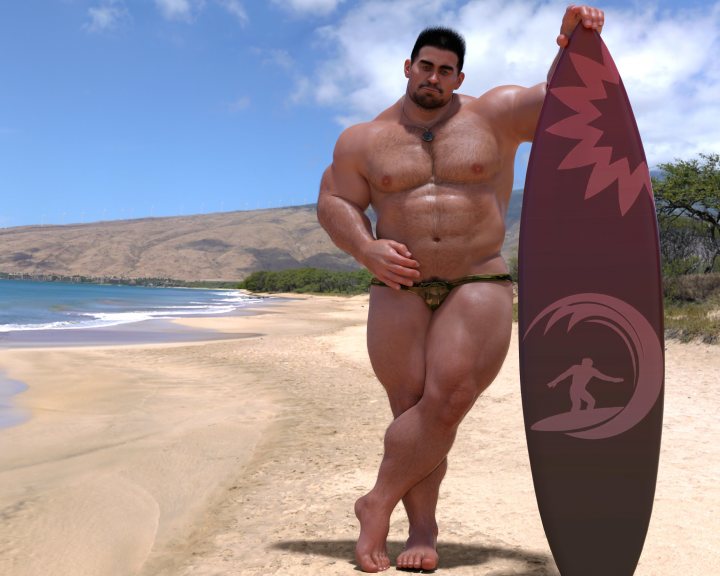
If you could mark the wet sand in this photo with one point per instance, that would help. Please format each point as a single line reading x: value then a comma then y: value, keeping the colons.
x: 245, y: 455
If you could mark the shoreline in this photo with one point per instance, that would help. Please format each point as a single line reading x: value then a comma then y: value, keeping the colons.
x: 160, y: 331
x: 245, y: 456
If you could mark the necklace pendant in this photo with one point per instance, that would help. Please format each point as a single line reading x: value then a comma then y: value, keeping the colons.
x: 428, y: 136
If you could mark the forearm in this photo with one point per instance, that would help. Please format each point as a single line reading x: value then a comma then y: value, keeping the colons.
x: 346, y: 224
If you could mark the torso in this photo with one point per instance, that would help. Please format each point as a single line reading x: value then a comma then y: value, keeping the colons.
x: 445, y: 200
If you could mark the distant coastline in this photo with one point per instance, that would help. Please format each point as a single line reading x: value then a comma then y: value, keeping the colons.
x: 115, y: 280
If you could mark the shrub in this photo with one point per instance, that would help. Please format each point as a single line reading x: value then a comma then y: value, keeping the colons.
x: 308, y: 280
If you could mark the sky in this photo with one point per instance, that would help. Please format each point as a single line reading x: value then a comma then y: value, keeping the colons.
x: 118, y: 109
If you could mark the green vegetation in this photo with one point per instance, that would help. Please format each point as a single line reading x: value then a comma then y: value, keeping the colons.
x: 687, y: 198
x: 692, y: 307
x: 309, y: 280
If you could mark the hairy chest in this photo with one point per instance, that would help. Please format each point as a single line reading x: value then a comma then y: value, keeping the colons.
x: 461, y: 152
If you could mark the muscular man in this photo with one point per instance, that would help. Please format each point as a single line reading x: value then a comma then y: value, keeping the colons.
x: 437, y: 167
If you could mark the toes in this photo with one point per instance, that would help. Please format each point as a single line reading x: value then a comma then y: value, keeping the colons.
x: 428, y: 563
x: 381, y: 561
x: 410, y: 561
x: 366, y: 563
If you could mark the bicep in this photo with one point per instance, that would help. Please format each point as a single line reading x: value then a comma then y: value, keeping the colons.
x: 343, y: 179
x: 526, y: 106
x: 514, y: 110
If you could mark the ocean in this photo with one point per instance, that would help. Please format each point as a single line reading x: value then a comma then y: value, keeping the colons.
x: 27, y: 305
x: 66, y: 314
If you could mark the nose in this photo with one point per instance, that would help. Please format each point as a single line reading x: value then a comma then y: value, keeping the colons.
x: 433, y: 78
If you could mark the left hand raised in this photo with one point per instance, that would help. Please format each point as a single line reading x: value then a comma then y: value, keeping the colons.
x: 592, y: 18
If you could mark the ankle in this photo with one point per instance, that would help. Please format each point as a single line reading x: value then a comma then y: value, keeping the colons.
x: 424, y: 530
x: 374, y: 505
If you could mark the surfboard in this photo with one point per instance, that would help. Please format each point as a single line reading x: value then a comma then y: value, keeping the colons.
x: 591, y: 318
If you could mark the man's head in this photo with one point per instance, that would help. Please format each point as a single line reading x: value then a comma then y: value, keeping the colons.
x: 434, y: 68
x: 443, y: 38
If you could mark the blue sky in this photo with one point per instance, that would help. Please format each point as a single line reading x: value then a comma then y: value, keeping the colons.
x: 115, y: 109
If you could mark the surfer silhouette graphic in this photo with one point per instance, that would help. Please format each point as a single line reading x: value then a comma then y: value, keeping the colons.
x: 581, y: 375
x: 578, y: 418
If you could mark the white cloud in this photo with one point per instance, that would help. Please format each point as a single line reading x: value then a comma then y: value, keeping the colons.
x: 274, y: 57
x: 673, y: 80
x: 179, y: 9
x: 108, y: 15
x: 240, y: 104
x: 370, y: 44
x: 313, y: 7
x: 236, y: 9
x: 187, y: 10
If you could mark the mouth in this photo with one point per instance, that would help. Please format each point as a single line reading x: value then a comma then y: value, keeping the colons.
x: 431, y: 89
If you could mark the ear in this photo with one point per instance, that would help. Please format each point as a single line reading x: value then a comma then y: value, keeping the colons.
x: 460, y: 79
x: 407, y: 68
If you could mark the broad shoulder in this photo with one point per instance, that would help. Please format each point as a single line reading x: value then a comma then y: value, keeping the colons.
x: 514, y: 110
x: 507, y: 97
x: 355, y: 140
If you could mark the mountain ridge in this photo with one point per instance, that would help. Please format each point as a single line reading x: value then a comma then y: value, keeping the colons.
x: 221, y: 246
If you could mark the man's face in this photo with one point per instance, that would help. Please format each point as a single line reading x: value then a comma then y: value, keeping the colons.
x: 433, y: 77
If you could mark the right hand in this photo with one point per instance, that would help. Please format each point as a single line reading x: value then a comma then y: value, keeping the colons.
x: 592, y: 18
x: 391, y: 262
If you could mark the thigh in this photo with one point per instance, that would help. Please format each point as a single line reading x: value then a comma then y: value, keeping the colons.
x: 468, y: 340
x: 397, y: 326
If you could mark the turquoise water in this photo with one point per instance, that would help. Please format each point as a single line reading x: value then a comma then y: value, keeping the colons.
x: 57, y: 313
x: 27, y: 305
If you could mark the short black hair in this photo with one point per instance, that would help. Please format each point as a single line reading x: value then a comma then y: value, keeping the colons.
x: 440, y: 37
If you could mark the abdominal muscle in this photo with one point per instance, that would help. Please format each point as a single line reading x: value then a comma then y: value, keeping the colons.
x: 451, y: 230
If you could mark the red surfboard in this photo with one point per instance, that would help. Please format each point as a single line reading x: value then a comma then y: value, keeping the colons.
x: 591, y: 318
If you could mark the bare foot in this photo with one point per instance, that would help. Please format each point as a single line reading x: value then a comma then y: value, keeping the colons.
x: 420, y: 551
x: 371, y: 551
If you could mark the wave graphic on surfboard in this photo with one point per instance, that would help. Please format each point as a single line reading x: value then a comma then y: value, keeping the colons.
x: 644, y: 350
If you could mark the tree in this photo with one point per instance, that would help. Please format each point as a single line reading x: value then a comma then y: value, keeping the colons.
x: 688, y: 198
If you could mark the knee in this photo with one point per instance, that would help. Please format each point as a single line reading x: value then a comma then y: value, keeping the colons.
x: 449, y: 404
x: 404, y: 399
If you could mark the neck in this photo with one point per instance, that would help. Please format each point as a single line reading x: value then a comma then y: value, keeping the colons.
x: 425, y: 117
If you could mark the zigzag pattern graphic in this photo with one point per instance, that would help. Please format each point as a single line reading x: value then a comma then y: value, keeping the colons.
x: 577, y: 127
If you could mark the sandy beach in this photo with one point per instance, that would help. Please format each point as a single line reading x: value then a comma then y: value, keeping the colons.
x: 244, y: 456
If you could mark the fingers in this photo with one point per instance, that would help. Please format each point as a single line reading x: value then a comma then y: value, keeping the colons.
x: 392, y: 264
x: 395, y: 275
x: 401, y: 249
x: 402, y: 262
x: 395, y: 281
x: 591, y: 18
